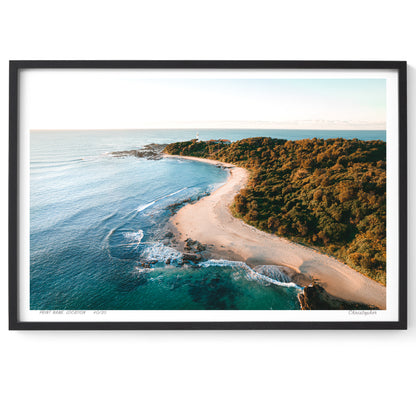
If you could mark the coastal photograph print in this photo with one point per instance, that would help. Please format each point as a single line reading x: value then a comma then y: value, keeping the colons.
x: 207, y: 195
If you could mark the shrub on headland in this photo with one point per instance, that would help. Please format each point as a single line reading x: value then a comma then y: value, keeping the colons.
x: 330, y: 194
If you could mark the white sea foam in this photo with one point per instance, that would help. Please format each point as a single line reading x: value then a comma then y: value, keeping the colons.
x: 161, y: 253
x: 251, y: 274
x: 134, y: 238
x: 144, y: 206
x: 176, y: 192
x: 274, y: 272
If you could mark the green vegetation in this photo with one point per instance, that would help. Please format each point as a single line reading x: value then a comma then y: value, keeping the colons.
x: 329, y: 194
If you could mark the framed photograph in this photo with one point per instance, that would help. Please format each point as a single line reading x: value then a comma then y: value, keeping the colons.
x: 208, y: 195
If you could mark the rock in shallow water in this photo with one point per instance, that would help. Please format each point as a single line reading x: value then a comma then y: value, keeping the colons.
x: 195, y: 258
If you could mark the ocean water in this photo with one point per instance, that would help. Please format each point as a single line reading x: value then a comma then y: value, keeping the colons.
x: 95, y: 218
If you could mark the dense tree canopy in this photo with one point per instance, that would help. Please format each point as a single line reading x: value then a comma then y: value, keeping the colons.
x: 330, y: 194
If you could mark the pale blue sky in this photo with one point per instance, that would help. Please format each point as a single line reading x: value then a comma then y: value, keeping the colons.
x: 102, y: 100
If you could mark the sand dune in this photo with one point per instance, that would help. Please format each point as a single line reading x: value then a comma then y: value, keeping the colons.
x: 210, y: 221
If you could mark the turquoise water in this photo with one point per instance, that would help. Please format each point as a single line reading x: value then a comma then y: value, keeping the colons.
x: 94, y: 218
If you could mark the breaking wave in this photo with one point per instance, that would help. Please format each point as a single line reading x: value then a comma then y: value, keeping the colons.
x: 123, y: 244
x: 274, y: 272
x: 149, y: 204
x: 278, y: 279
x: 143, y: 207
x: 133, y: 238
x: 161, y: 253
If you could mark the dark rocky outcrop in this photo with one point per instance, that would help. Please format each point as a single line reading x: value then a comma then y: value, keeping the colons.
x: 151, y: 151
x: 147, y: 264
x: 193, y: 245
x: 174, y: 208
x: 315, y: 297
x: 194, y: 258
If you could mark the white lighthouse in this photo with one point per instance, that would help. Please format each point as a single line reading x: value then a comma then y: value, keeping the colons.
x: 197, y: 136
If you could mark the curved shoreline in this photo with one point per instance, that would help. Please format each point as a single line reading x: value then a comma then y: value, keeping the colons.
x: 210, y: 221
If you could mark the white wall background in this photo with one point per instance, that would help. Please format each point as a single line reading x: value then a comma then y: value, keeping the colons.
x: 207, y: 373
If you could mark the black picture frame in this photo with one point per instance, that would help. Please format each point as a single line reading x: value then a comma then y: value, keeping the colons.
x: 16, y: 66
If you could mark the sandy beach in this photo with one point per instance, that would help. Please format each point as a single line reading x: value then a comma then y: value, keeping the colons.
x: 210, y: 222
